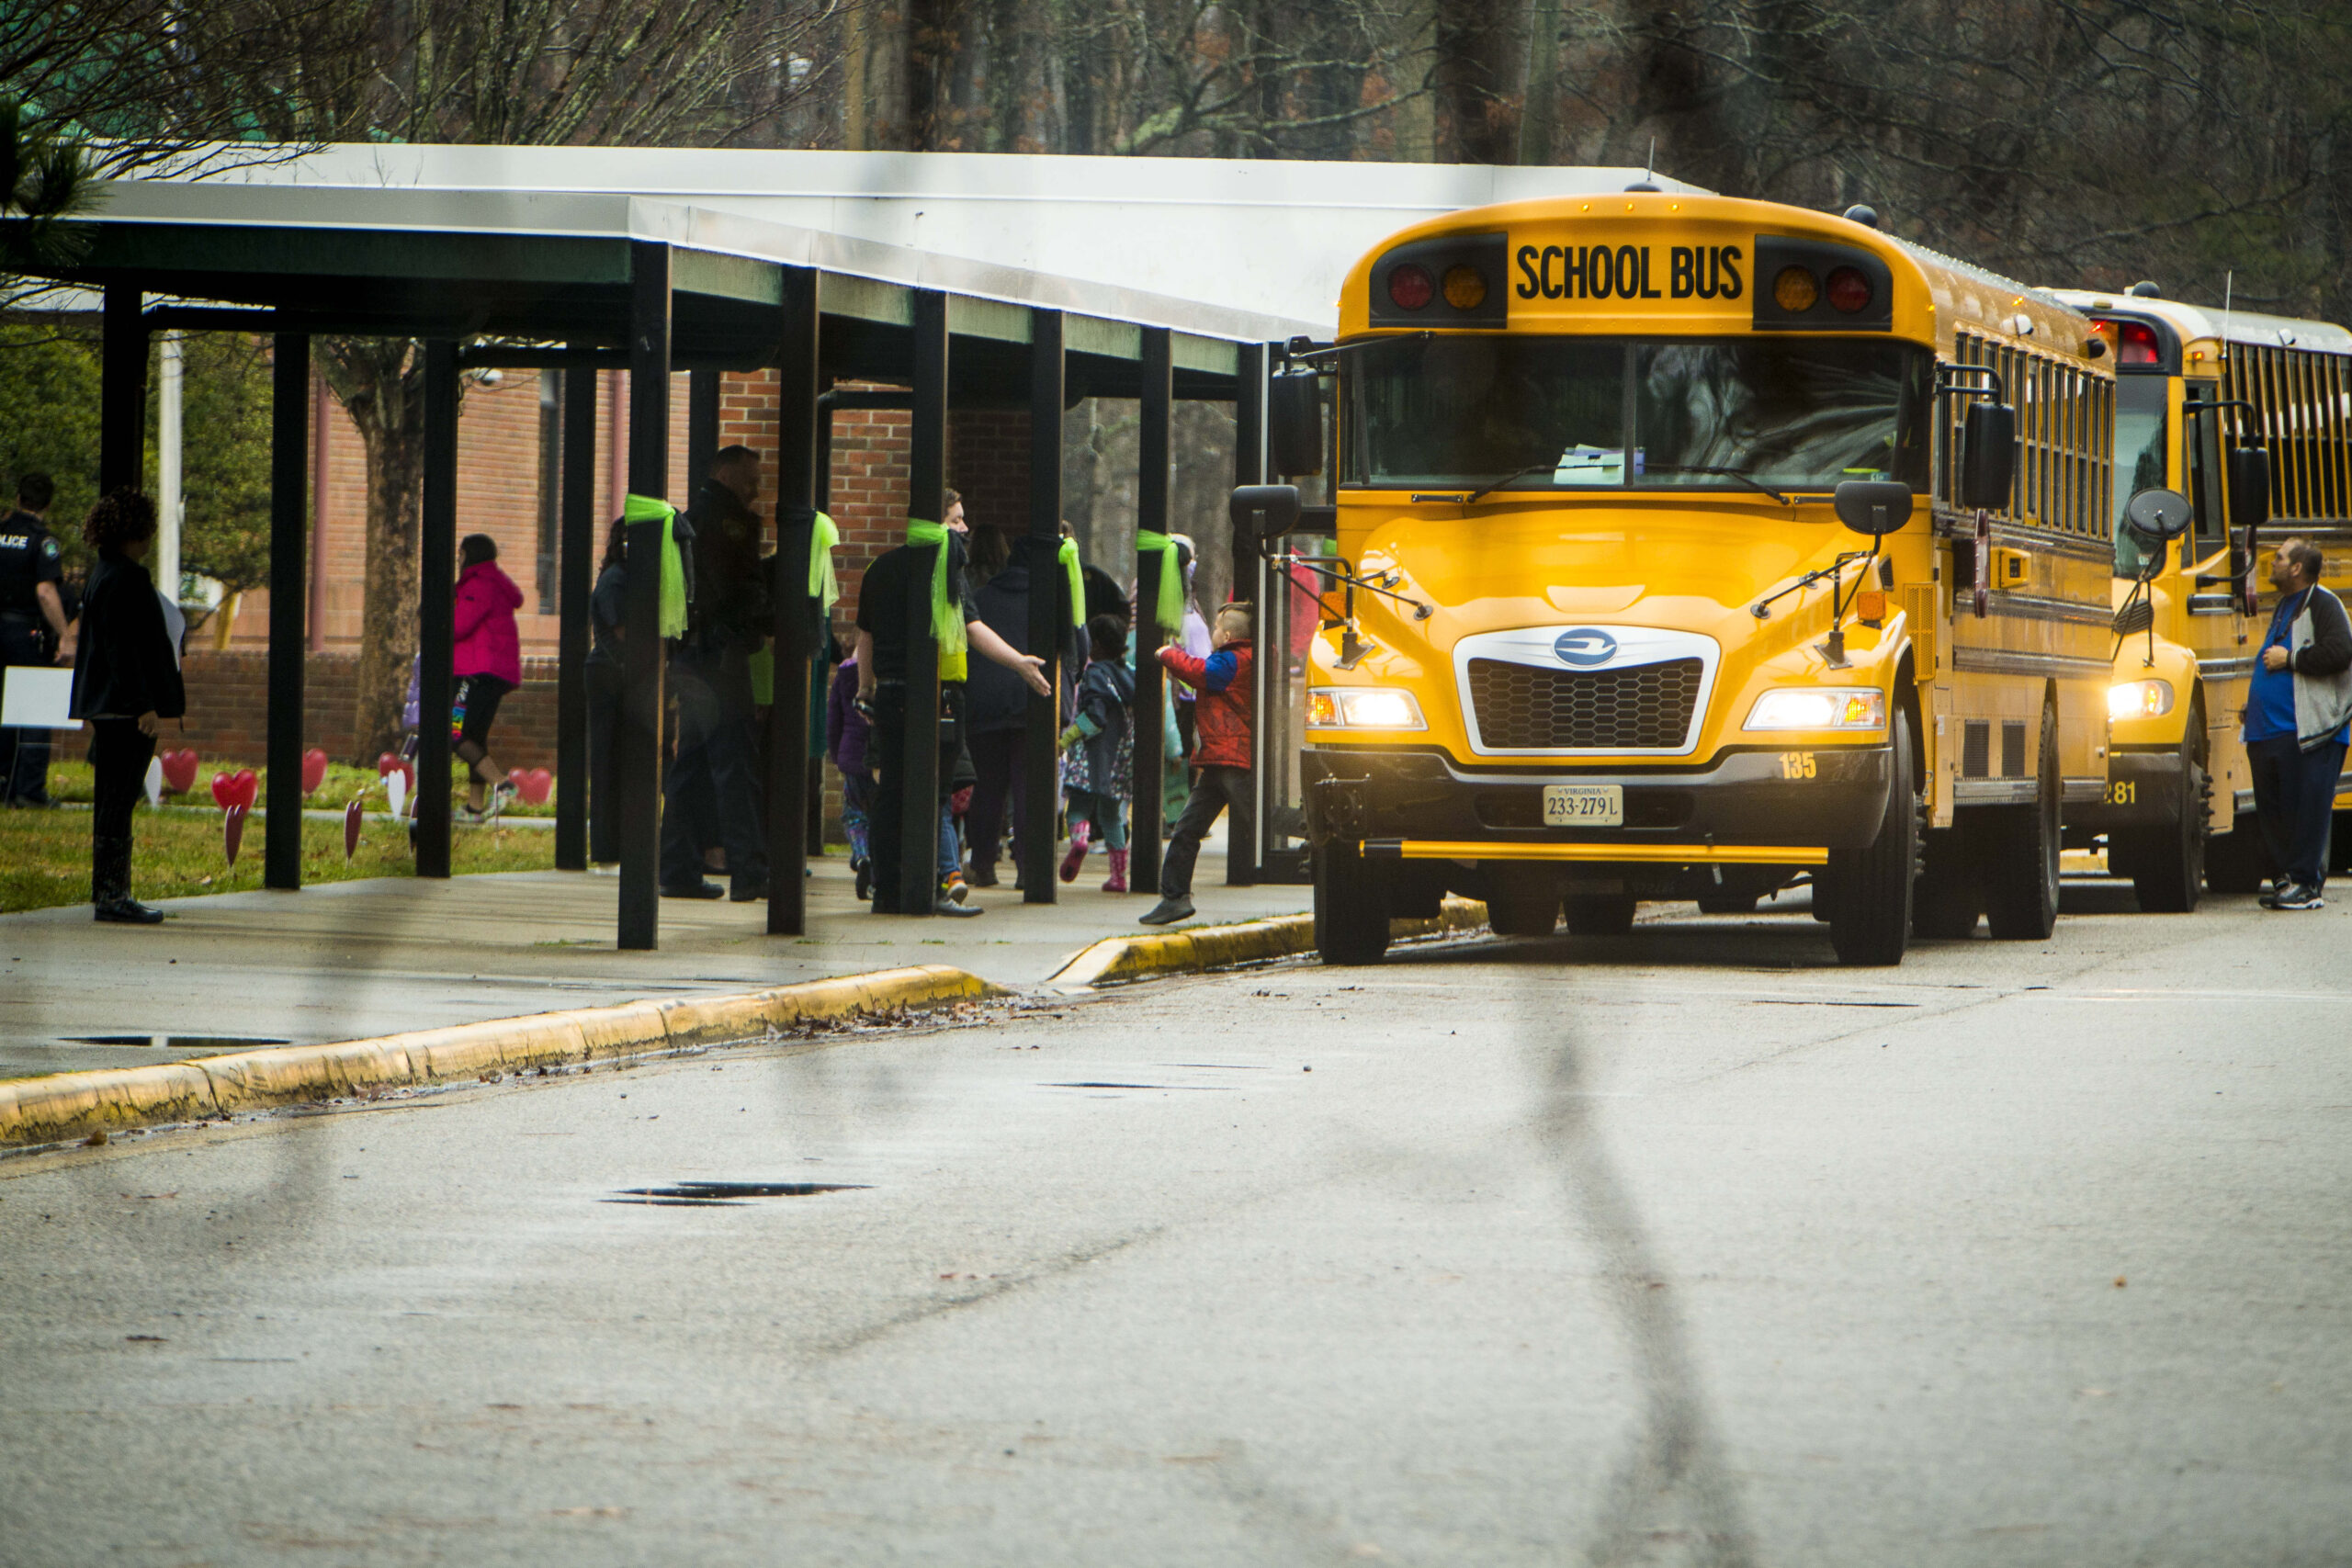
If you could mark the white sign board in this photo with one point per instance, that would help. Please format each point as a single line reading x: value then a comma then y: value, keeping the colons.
x: 36, y: 698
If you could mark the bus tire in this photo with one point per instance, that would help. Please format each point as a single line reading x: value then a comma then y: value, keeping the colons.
x: 1522, y: 912
x: 2238, y: 862
x: 1598, y: 914
x: 2166, y: 864
x: 2020, y: 858
x: 1350, y: 907
x: 1870, y: 914
x: 1950, y: 898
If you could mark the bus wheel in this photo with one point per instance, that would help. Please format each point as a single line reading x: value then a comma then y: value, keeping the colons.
x: 1950, y: 898
x: 2237, y: 861
x: 2021, y: 859
x: 1522, y: 912
x: 1869, y: 915
x: 1598, y: 914
x: 1350, y: 906
x: 2167, y: 864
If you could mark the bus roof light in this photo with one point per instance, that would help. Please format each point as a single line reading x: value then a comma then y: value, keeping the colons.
x: 1848, y: 290
x: 1465, y: 287
x: 1796, y: 290
x: 1411, y: 286
x: 2136, y: 343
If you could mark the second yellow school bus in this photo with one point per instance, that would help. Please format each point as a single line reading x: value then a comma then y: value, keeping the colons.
x: 1610, y: 639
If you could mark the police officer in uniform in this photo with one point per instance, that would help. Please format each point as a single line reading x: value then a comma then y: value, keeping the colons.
x: 33, y: 629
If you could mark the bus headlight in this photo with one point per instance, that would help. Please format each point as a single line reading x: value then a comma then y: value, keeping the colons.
x: 2139, y: 699
x: 1819, y: 707
x: 1362, y: 707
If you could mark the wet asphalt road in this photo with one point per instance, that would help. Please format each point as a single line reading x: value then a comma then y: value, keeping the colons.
x: 1682, y: 1249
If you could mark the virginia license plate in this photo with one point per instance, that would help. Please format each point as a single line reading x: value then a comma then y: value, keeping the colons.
x: 1584, y: 806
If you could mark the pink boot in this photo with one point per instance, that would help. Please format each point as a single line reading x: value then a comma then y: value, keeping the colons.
x: 1118, y: 882
x: 1076, y: 856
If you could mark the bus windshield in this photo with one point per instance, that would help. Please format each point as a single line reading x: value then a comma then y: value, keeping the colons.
x: 1555, y: 412
x: 2138, y: 457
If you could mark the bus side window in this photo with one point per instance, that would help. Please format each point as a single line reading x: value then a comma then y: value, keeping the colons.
x: 2204, y: 440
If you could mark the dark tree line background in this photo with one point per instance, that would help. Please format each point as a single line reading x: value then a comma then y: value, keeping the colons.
x: 2062, y: 141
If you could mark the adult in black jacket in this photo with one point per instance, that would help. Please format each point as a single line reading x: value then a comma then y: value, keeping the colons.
x: 712, y: 793
x: 996, y: 713
x: 126, y: 683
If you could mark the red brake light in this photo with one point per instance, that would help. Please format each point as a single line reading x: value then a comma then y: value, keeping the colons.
x: 1411, y: 286
x: 1848, y: 290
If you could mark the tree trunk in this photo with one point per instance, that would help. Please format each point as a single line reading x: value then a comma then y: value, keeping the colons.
x: 381, y: 385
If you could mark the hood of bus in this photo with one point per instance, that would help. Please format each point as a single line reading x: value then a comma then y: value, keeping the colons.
x: 1689, y: 566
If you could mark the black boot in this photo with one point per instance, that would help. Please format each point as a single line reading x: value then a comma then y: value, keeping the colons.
x: 110, y: 883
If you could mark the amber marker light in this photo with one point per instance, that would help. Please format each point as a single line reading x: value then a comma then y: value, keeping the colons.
x: 1465, y: 287
x: 1795, y: 290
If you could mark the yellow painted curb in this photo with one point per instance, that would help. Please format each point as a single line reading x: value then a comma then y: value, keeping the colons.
x: 69, y: 1105
x: 1195, y: 948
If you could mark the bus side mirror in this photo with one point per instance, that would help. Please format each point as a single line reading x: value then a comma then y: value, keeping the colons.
x: 1294, y: 424
x: 1988, y: 455
x: 1873, y: 507
x: 1276, y: 505
x: 2249, y: 485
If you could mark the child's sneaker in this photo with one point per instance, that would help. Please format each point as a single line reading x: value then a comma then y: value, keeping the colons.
x: 864, y: 869
x: 499, y: 796
x: 955, y: 890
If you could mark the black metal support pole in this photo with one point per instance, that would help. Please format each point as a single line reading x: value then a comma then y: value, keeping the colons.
x: 576, y: 581
x: 796, y: 610
x: 926, y: 487
x: 1049, y: 606
x: 436, y: 570
x: 289, y: 580
x: 123, y: 392
x: 1158, y: 401
x: 637, y: 761
x: 702, y: 425
x: 1249, y: 469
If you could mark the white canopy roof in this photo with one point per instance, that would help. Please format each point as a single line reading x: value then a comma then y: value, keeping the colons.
x: 1247, y: 250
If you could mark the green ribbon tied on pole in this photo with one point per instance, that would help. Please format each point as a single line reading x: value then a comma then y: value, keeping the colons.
x: 646, y: 509
x: 946, y: 611
x: 1068, y: 556
x: 1170, y: 612
x: 823, y: 586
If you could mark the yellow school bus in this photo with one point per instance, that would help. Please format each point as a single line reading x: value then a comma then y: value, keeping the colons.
x: 1687, y: 548
x: 2249, y: 418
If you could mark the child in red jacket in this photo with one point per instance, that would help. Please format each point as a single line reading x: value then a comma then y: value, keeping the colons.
x: 1221, y: 752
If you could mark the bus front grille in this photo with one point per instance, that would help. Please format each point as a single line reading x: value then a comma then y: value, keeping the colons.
x: 1645, y: 707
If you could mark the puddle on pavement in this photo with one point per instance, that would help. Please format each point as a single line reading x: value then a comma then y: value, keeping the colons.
x: 728, y: 1194
x: 174, y: 1042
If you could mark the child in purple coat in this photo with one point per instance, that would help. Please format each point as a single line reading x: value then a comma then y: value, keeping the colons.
x: 845, y: 736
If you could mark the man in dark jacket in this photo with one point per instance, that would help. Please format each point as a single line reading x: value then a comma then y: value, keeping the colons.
x: 126, y: 682
x: 2296, y: 712
x: 996, y: 714
x: 1221, y: 754
x: 712, y: 790
x: 34, y: 629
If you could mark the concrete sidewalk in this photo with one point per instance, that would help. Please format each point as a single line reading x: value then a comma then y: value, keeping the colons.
x: 351, y: 959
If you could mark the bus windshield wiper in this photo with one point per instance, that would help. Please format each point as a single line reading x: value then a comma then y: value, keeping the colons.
x: 1492, y: 485
x: 1750, y: 480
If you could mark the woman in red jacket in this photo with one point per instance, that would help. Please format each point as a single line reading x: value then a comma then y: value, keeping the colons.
x: 488, y: 664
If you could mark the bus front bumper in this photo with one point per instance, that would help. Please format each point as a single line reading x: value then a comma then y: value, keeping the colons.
x: 2145, y: 788
x: 1749, y: 807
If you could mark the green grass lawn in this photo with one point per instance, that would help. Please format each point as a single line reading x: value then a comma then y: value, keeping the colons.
x: 71, y: 781
x: 45, y: 855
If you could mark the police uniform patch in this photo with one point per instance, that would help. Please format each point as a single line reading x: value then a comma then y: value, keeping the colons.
x: 48, y: 549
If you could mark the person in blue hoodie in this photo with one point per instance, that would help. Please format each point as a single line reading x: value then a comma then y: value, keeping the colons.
x: 2296, y: 712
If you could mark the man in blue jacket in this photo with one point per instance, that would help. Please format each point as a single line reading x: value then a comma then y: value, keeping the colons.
x: 2297, y: 709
